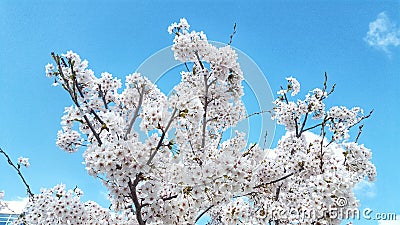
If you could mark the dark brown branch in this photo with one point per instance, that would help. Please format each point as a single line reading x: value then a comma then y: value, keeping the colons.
x: 82, y: 96
x: 323, y: 133
x: 135, y: 199
x: 325, y: 82
x: 332, y: 90
x: 202, y: 213
x: 61, y: 73
x: 253, y: 193
x: 75, y: 99
x: 164, y: 199
x: 275, y: 181
x: 326, y: 87
x: 363, y: 118
x: 310, y: 128
x: 303, y: 125
x: 206, y: 86
x: 107, y: 181
x: 169, y: 198
x: 97, y: 117
x: 199, y: 60
x: 28, y: 189
x: 72, y: 93
x: 102, y: 95
x: 77, y: 87
x: 265, y: 137
x: 187, y: 67
x: 285, y: 97
x: 257, y: 113
x: 359, y: 132
x: 164, y: 132
x: 278, y: 190
x: 233, y: 34
x: 96, y: 135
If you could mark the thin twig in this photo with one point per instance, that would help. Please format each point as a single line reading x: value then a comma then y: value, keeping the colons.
x: 274, y: 181
x: 265, y: 137
x: 96, y: 135
x: 28, y: 189
x: 102, y: 95
x: 312, y: 127
x: 164, y: 132
x: 359, y: 132
x: 206, y: 86
x: 204, y: 212
x: 278, y: 190
x: 233, y: 34
x: 323, y: 133
x: 362, y: 118
x: 187, y: 67
x: 136, y: 113
x: 303, y: 125
x: 326, y: 87
x: 73, y: 94
x: 199, y: 60
x: 257, y: 113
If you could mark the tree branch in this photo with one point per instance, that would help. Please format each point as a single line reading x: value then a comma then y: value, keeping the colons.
x: 206, y: 86
x: 102, y: 95
x: 275, y: 181
x: 136, y: 113
x: 204, y: 212
x: 323, y: 133
x: 233, y: 34
x: 96, y: 135
x: 257, y: 113
x: 133, y: 194
x: 359, y: 132
x: 303, y: 125
x: 199, y: 60
x: 310, y: 128
x: 28, y: 189
x: 73, y: 95
x: 363, y: 118
x: 164, y: 132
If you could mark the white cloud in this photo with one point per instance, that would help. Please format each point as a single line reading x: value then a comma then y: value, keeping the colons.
x: 14, y: 207
x: 383, y: 33
x: 390, y: 222
x: 365, y: 188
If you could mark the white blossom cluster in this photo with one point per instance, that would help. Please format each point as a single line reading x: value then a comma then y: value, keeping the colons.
x: 317, y: 176
x: 164, y: 161
x: 24, y: 161
x: 60, y: 206
x: 319, y: 171
x: 344, y: 119
x: 289, y: 113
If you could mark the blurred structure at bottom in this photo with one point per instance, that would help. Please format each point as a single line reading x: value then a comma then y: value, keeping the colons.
x: 11, y: 210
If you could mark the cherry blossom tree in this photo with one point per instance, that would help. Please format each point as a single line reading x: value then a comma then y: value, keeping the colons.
x: 163, y: 159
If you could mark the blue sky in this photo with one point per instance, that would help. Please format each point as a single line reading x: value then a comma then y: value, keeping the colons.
x: 284, y: 38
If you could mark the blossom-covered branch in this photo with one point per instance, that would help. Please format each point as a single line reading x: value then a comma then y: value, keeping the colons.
x: 17, y: 167
x: 164, y: 160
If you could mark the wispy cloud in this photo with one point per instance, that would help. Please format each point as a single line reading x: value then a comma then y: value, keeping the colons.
x: 383, y: 33
x: 14, y: 207
x: 390, y: 222
x: 365, y: 189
